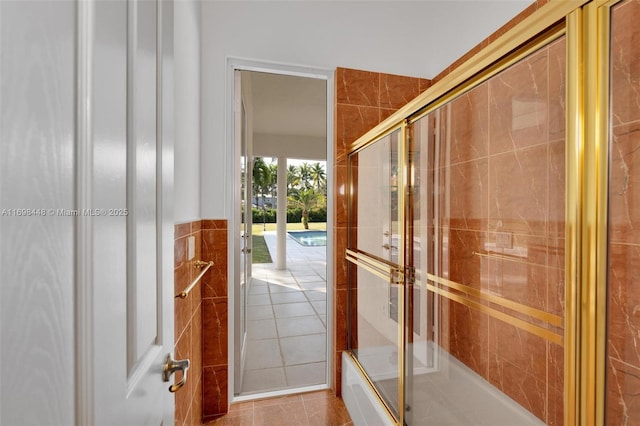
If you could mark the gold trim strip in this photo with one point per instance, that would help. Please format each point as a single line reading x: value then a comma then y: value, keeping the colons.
x: 389, y: 130
x: 402, y: 292
x: 574, y: 154
x: 373, y: 388
x: 376, y: 263
x: 514, y: 306
x: 364, y: 265
x: 533, y: 329
x: 602, y: 148
x: 528, y: 29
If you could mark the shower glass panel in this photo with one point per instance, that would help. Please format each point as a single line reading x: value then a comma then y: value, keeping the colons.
x: 623, y: 321
x: 456, y: 252
x: 486, y: 240
x: 374, y: 253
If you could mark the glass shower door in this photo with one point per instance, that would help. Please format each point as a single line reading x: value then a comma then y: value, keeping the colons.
x: 375, y: 257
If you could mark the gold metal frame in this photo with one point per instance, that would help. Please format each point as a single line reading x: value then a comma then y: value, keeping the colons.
x: 586, y: 24
x: 547, y: 317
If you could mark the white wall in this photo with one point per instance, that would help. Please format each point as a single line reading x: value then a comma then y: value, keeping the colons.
x: 187, y: 110
x: 409, y: 38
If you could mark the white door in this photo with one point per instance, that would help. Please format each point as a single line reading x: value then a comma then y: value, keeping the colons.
x: 131, y: 98
x: 87, y: 276
x: 243, y: 259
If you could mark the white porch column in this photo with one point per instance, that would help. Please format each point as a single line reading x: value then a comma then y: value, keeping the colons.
x: 281, y: 215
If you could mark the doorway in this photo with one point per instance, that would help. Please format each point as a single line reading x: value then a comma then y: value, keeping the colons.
x: 281, y: 281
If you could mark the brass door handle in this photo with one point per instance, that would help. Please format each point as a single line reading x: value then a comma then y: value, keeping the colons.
x: 170, y: 367
x: 246, y: 250
x: 388, y: 247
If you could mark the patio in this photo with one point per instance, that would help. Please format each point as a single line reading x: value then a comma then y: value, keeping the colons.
x: 286, y: 321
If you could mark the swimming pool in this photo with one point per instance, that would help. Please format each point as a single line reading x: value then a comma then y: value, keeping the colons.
x: 309, y: 238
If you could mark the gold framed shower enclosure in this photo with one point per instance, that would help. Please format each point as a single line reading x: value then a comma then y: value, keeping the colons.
x: 579, y: 329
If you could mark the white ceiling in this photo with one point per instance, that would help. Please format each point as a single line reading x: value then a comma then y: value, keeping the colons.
x: 287, y: 105
x: 416, y: 38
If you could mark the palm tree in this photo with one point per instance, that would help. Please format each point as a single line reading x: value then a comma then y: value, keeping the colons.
x: 272, y: 185
x: 305, y: 199
x: 305, y: 175
x: 318, y: 177
x: 293, y: 177
x: 262, y: 180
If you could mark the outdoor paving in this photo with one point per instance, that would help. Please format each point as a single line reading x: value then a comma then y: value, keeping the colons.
x: 286, y: 321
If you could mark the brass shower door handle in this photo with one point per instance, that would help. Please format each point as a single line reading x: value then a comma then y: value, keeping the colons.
x: 170, y: 367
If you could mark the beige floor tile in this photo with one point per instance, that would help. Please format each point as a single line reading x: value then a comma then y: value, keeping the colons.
x: 263, y: 354
x: 304, y: 349
x: 299, y: 326
x: 288, y: 310
x: 265, y: 379
x: 306, y: 374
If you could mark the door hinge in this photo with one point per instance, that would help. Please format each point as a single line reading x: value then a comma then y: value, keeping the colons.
x: 410, y: 275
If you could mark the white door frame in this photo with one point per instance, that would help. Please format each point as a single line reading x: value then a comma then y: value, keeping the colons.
x: 233, y: 160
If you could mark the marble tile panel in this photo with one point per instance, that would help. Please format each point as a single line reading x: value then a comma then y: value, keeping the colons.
x: 220, y: 224
x: 623, y: 331
x: 462, y: 265
x: 557, y: 189
x: 215, y: 381
x: 527, y: 390
x: 328, y: 410
x: 518, y: 99
x: 356, y: 87
x: 468, y: 336
x: 214, y: 248
x: 214, y: 331
x: 557, y: 89
x: 625, y: 67
x: 182, y: 307
x: 286, y: 414
x: 624, y: 185
x: 182, y: 230
x: 353, y: 121
x: 180, y: 251
x: 523, y: 350
x: 466, y: 196
x: 623, y: 393
x: 196, y: 344
x: 396, y: 90
x: 518, y: 191
x: 469, y: 125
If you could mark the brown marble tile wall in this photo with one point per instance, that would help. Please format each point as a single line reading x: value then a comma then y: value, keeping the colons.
x: 363, y: 99
x: 215, y: 303
x: 188, y: 325
x: 623, y: 328
x: 201, y: 321
x: 500, y: 179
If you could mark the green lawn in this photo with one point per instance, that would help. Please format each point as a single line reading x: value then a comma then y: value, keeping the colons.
x: 259, y: 251
x: 315, y: 226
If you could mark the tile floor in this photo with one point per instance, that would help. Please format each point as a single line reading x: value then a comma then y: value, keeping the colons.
x: 309, y: 409
x: 286, y: 321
